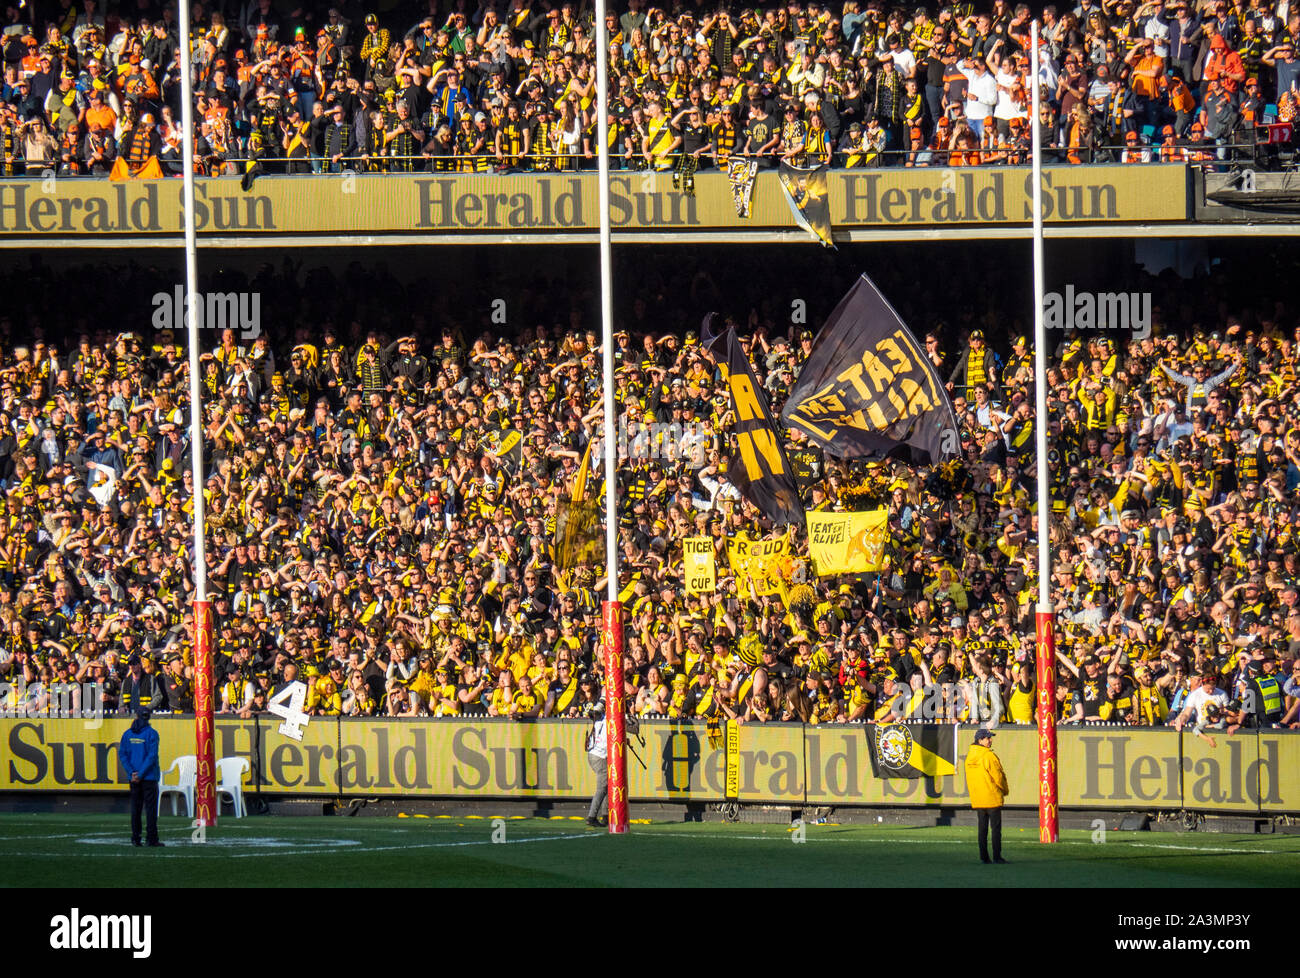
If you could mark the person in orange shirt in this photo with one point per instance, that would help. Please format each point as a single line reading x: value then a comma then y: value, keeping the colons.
x: 1180, y: 100
x: 1134, y: 150
x: 31, y: 62
x: 1148, y: 69
x: 99, y: 116
x: 1079, y: 137
x: 1224, y: 66
x: 964, y: 149
x: 1170, y: 150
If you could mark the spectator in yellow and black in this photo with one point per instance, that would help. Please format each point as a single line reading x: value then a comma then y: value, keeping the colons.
x: 140, y: 689
x: 341, y: 145
x: 374, y: 43
x: 1120, y: 704
x: 976, y: 366
x: 403, y: 142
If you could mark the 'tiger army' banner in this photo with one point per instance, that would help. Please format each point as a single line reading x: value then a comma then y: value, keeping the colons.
x: 551, y: 203
x: 700, y: 568
x: 847, y: 543
x: 1108, y: 768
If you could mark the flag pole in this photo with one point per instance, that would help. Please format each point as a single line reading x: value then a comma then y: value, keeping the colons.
x: 205, y: 795
x: 1045, y: 644
x: 612, y: 612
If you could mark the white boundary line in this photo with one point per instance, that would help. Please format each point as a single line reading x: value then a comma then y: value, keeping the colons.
x: 180, y: 851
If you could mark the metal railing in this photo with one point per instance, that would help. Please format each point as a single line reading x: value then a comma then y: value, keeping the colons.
x: 1207, y: 152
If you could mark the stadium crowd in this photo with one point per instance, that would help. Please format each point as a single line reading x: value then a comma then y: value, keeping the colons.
x: 376, y: 529
x: 505, y: 87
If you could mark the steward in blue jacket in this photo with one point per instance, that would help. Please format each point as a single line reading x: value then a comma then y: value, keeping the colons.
x: 138, y: 753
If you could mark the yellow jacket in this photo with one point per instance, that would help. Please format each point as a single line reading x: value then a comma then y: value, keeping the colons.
x: 985, y: 778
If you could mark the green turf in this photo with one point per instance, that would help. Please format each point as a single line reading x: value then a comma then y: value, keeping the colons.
x: 94, y: 850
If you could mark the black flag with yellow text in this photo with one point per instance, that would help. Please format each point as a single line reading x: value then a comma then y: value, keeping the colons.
x: 758, y: 468
x: 868, y: 389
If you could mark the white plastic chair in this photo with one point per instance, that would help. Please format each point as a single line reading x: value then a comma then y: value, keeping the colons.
x: 230, y: 782
x: 187, y: 766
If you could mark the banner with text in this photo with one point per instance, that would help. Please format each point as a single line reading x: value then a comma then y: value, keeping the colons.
x: 700, y: 568
x: 558, y: 203
x: 1105, y: 768
x: 847, y: 543
x: 760, y: 562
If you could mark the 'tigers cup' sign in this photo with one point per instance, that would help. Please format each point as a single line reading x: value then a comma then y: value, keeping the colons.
x: 1098, y: 310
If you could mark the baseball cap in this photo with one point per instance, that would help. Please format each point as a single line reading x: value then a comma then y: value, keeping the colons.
x: 982, y: 733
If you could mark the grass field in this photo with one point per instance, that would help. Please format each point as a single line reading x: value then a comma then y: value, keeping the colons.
x: 94, y: 850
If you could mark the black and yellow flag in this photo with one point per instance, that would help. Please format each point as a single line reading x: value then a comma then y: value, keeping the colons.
x: 912, y: 750
x: 741, y: 174
x: 808, y: 195
x: 868, y: 389
x: 508, y: 446
x: 758, y: 468
x: 577, y: 522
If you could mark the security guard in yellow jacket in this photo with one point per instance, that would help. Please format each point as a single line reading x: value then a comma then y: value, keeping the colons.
x: 987, y: 783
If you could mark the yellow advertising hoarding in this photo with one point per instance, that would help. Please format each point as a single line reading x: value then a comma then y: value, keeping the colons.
x: 1279, y: 771
x: 673, y: 760
x: 75, y: 755
x: 782, y: 764
x: 1118, y: 768
x: 537, y: 202
x: 492, y: 759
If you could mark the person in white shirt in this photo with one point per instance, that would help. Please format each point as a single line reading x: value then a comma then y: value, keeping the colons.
x: 904, y: 60
x: 1170, y: 426
x: 1008, y: 78
x: 597, y: 757
x: 981, y: 94
x: 1157, y: 29
x: 1198, y: 705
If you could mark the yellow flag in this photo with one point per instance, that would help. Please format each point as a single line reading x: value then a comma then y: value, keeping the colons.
x: 847, y: 543
x: 701, y: 572
x: 580, y: 480
x: 576, y: 523
x: 762, y: 561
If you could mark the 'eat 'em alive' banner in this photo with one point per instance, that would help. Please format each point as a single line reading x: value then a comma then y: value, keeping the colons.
x: 441, y: 203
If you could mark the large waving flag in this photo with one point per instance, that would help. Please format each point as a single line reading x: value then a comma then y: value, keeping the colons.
x: 868, y: 388
x: 759, y: 468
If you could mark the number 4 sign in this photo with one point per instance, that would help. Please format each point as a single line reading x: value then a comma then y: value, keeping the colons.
x: 287, y: 704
